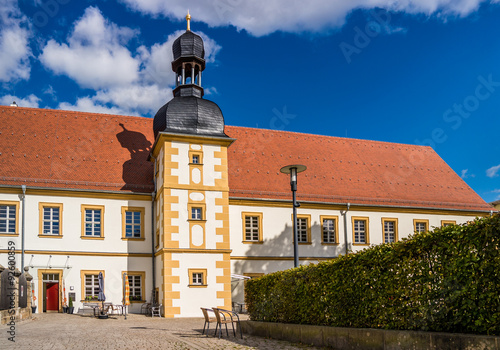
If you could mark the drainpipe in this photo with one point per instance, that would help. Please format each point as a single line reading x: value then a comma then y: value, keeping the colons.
x: 153, y: 231
x: 345, y: 228
x: 23, y: 187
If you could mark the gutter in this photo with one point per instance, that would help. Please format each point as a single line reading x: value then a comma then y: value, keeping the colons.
x: 375, y: 206
x: 78, y: 190
x: 23, y: 196
x: 345, y: 228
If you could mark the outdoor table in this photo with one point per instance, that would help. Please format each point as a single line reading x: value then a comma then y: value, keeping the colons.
x: 92, y: 306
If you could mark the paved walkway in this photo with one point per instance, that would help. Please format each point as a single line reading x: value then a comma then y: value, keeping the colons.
x: 64, y: 331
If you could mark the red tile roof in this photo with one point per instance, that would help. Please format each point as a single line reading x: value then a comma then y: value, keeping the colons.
x: 88, y: 151
x: 342, y: 170
x: 64, y: 149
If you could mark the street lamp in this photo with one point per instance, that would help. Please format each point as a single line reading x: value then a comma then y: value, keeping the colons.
x: 293, y: 170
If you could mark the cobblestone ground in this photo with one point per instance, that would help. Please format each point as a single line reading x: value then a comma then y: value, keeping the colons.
x: 64, y: 331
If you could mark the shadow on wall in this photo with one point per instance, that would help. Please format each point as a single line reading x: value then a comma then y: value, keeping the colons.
x: 137, y: 171
x: 277, y: 253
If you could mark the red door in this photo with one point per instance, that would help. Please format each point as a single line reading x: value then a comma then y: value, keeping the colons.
x: 52, y: 296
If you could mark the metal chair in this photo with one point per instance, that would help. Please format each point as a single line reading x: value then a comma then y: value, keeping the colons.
x: 208, y: 319
x: 145, y: 308
x: 224, y: 317
x: 156, y: 310
x: 113, y: 309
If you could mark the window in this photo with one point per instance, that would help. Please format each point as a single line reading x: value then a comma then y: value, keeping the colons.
x: 50, y: 219
x: 446, y: 223
x: 360, y: 230
x: 252, y: 227
x: 390, y: 227
x: 8, y: 217
x: 196, y: 213
x: 133, y: 223
x: 420, y: 225
x: 136, y: 282
x: 197, y: 277
x: 50, y: 277
x: 92, y: 221
x: 90, y: 284
x: 303, y: 229
x: 196, y: 157
x: 329, y: 230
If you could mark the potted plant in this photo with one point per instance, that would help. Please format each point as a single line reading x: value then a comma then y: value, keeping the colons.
x: 70, y: 308
x: 65, y: 309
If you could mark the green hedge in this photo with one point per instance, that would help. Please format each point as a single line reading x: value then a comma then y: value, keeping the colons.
x: 446, y: 280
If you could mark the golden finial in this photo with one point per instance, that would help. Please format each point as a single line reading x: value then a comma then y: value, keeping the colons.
x: 188, y: 19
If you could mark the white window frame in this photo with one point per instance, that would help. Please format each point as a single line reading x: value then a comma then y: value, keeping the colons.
x: 51, y: 220
x: 93, y: 222
x: 135, y: 227
x: 94, y: 285
x: 8, y: 224
x: 386, y: 222
x: 360, y: 235
x: 329, y: 231
x: 196, y: 213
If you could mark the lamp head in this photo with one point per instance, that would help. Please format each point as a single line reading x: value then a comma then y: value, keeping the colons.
x: 293, y: 170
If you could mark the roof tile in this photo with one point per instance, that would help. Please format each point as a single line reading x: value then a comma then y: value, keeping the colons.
x: 78, y: 150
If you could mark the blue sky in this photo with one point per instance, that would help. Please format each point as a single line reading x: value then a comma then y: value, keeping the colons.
x: 409, y: 71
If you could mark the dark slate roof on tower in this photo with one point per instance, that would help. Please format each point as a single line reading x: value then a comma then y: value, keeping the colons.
x: 187, y: 45
x: 188, y: 112
x: 190, y: 115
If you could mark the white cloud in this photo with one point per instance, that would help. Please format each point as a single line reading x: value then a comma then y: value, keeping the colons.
x: 14, y: 43
x: 493, y: 171
x: 135, y: 98
x: 261, y: 17
x: 87, y: 104
x: 29, y: 101
x: 465, y: 174
x: 497, y: 191
x: 211, y: 91
x: 96, y: 56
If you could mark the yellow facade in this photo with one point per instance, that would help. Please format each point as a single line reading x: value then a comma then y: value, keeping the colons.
x: 191, y: 171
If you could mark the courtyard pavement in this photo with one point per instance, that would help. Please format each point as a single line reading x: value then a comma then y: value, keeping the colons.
x: 65, y: 331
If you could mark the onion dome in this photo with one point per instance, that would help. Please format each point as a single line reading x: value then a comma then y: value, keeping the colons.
x: 188, y: 44
x: 188, y: 112
x: 190, y: 115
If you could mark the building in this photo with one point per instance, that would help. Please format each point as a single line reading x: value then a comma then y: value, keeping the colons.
x: 187, y: 205
x: 496, y: 204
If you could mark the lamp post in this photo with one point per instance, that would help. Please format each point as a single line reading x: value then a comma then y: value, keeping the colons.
x: 293, y: 170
